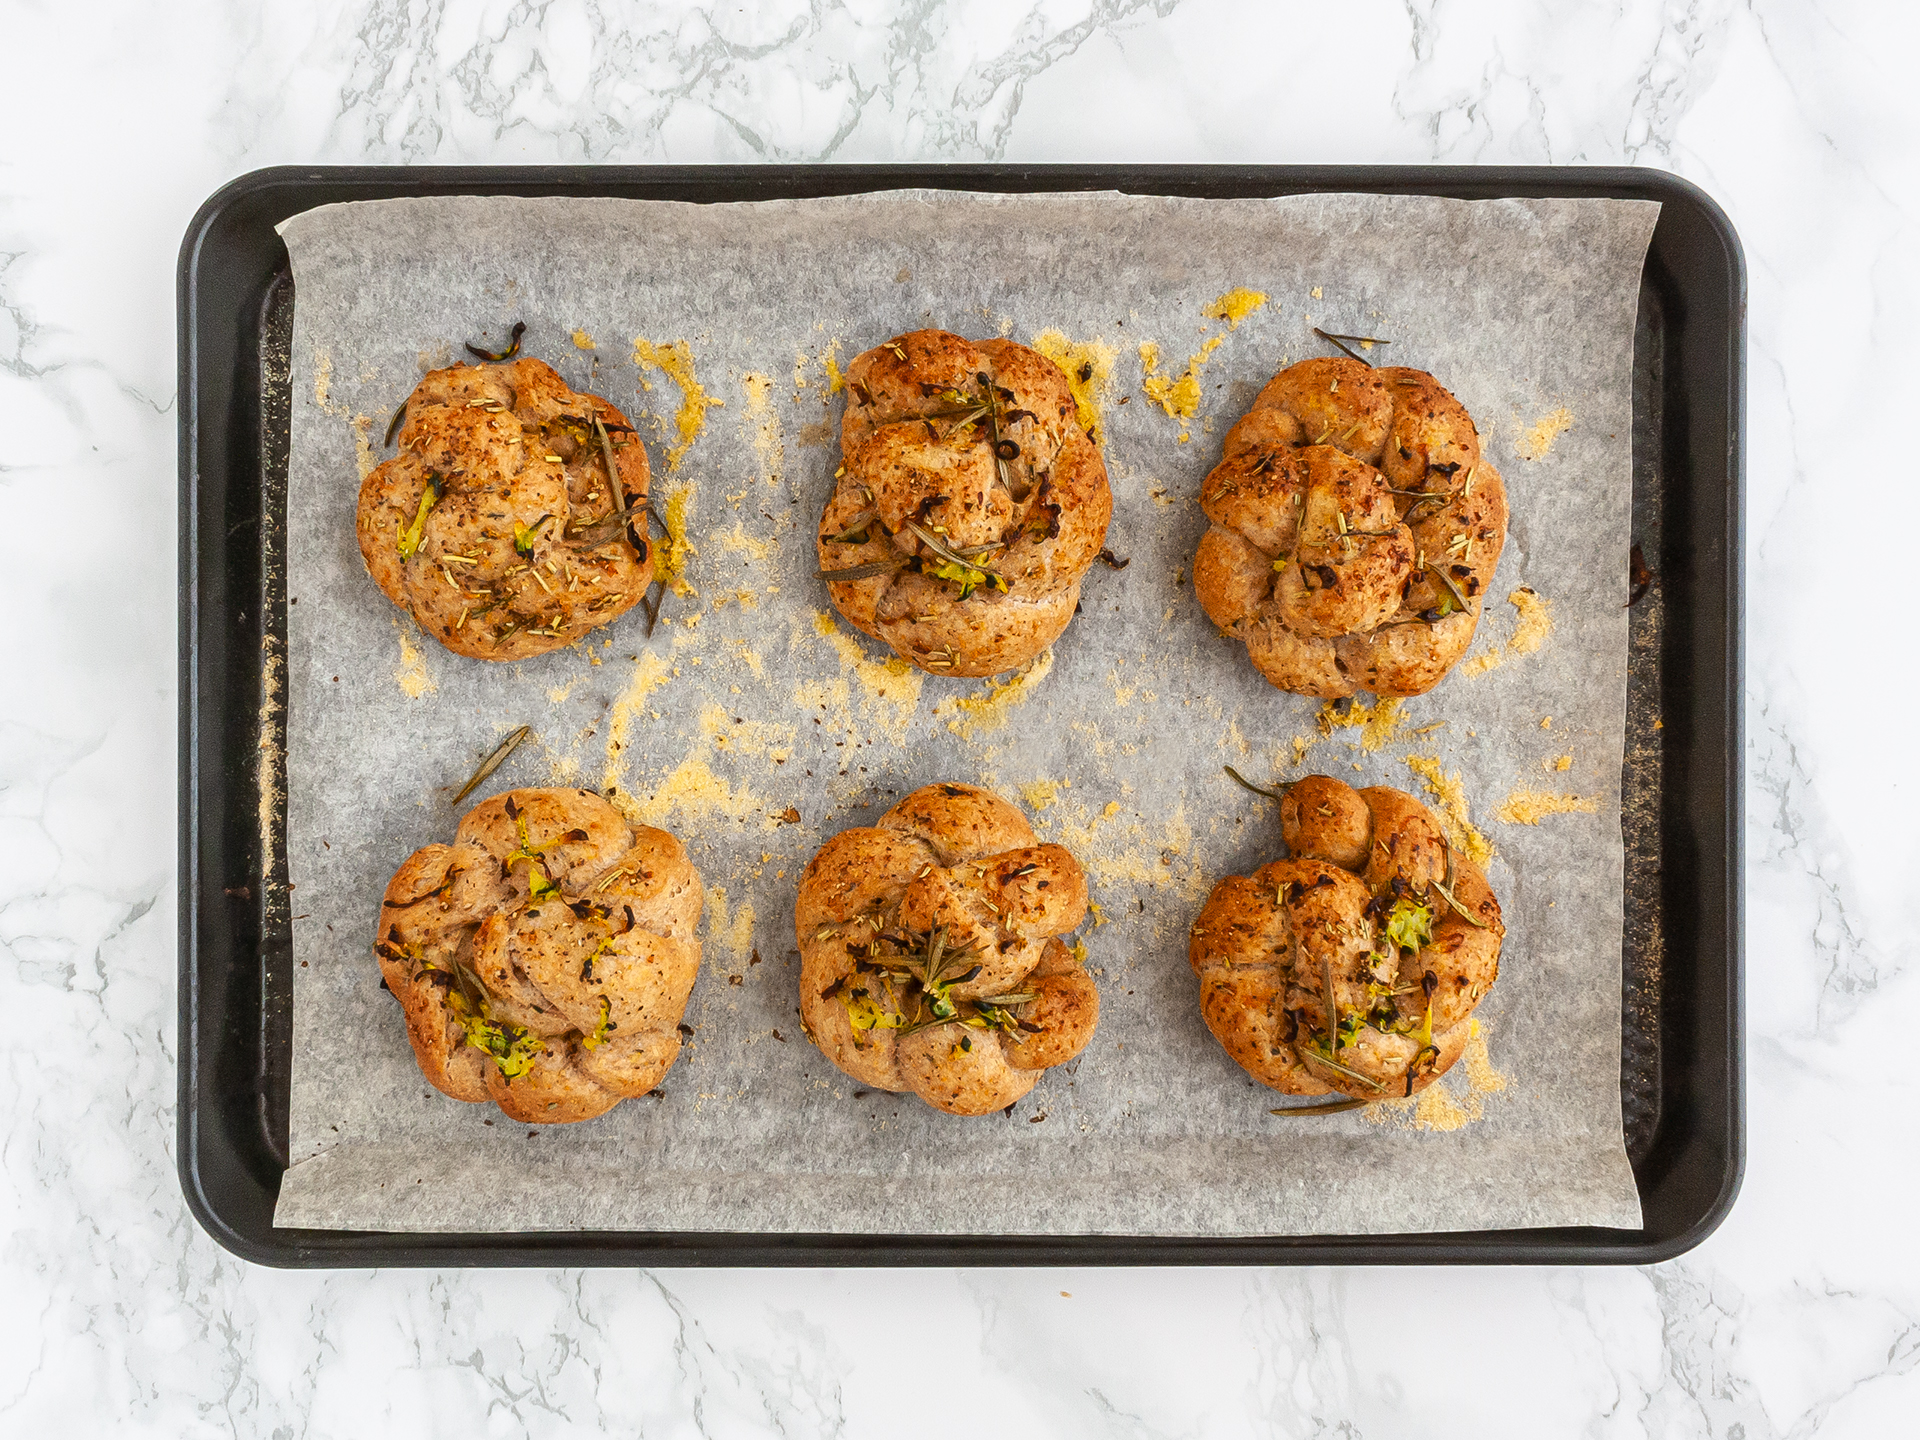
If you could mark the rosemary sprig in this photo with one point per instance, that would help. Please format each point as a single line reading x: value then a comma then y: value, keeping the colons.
x: 1317, y: 1058
x: 1458, y: 908
x: 856, y: 531
x: 1324, y: 1107
x: 967, y: 559
x: 1337, y: 342
x: 1459, y: 600
x: 492, y: 763
x: 863, y: 572
x: 513, y: 349
x: 599, y: 530
x: 613, y: 480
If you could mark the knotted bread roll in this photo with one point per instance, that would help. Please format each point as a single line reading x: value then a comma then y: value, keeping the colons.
x: 544, y: 958
x: 968, y: 506
x: 1354, y: 965
x: 513, y: 520
x: 930, y: 957
x: 1356, y: 527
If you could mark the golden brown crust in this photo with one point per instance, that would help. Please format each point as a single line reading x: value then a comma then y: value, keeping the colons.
x: 974, y: 449
x: 1348, y: 967
x: 495, y: 527
x: 943, y: 908
x: 1325, y: 558
x: 544, y: 959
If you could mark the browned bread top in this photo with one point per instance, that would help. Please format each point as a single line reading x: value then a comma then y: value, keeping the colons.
x: 497, y: 526
x: 968, y: 506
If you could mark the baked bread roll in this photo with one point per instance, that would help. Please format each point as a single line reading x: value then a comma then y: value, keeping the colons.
x: 497, y: 526
x: 1354, y: 965
x: 968, y: 506
x: 1356, y: 527
x: 544, y: 958
x: 930, y: 957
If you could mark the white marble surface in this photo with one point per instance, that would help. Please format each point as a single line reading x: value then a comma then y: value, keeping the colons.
x: 1801, y: 1315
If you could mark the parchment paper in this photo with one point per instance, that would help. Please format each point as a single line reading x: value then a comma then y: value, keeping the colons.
x: 747, y: 701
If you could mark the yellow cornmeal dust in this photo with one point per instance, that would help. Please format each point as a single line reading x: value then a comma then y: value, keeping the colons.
x: 1088, y: 366
x: 1530, y: 632
x: 1179, y: 395
x: 1452, y: 795
x: 986, y: 712
x: 1235, y: 305
x: 1447, y: 1104
x: 322, y: 376
x: 1529, y: 807
x: 675, y: 360
x: 830, y: 361
x: 582, y: 340
x: 763, y: 426
x: 1535, y: 442
x: 890, y: 685
x: 1039, y: 794
x: 363, y: 453
x: 730, y: 932
x: 692, y: 789
x: 1378, y: 722
x: 650, y: 672
x: 411, y: 673
x: 670, y: 559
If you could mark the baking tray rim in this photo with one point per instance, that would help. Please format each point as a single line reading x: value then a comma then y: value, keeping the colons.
x: 199, y: 1149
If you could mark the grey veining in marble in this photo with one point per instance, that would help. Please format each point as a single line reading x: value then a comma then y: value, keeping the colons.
x: 1801, y: 1315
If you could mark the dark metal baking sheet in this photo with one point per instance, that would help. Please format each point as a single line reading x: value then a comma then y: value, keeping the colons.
x: 1682, y: 1076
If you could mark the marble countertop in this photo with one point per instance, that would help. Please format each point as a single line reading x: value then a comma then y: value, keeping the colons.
x: 1801, y: 1314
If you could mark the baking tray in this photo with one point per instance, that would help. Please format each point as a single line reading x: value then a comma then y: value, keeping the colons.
x: 1682, y: 1013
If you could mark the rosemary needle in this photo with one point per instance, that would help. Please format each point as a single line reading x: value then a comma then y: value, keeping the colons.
x: 1325, y: 1107
x: 493, y: 762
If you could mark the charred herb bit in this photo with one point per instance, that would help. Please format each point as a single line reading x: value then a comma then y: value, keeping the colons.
x: 593, y: 533
x: 1242, y: 780
x: 411, y: 536
x: 1640, y: 576
x: 513, y: 349
x: 493, y: 762
x: 600, y: 429
x: 393, y: 425
x: 1108, y: 559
